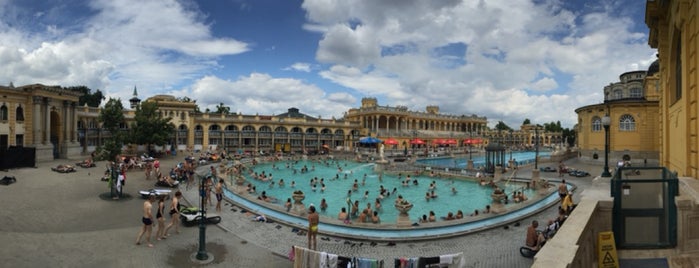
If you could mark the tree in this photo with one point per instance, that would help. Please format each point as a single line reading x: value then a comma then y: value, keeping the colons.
x: 526, y: 121
x: 111, y: 117
x: 502, y: 126
x: 222, y: 109
x: 92, y: 99
x: 150, y: 127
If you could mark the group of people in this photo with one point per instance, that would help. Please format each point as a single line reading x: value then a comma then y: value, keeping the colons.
x: 537, y: 237
x: 148, y: 221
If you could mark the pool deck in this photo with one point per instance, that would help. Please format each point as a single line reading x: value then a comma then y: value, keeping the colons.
x: 60, y: 220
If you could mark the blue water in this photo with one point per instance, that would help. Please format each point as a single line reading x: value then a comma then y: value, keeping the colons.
x: 339, y: 177
x: 389, y: 234
x: 521, y: 158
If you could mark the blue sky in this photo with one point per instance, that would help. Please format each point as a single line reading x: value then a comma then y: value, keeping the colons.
x: 506, y: 60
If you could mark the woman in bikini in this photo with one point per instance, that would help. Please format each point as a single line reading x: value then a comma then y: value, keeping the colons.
x: 159, y: 234
x: 312, y: 227
x: 174, y: 214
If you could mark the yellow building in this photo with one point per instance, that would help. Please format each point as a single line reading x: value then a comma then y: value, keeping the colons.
x: 42, y: 117
x: 403, y: 125
x: 673, y: 31
x: 632, y: 106
x: 48, y: 118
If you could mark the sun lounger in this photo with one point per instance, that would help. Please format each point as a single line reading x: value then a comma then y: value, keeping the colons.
x: 157, y: 192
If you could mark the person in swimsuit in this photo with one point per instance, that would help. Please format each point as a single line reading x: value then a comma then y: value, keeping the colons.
x: 219, y: 194
x: 174, y: 214
x: 161, y: 220
x: 147, y: 221
x: 312, y: 227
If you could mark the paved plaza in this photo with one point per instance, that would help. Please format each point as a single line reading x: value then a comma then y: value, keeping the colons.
x: 60, y: 220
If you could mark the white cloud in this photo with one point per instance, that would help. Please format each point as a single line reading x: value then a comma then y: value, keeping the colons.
x: 565, y: 56
x: 261, y: 93
x: 299, y: 66
x: 544, y: 84
x: 153, y: 44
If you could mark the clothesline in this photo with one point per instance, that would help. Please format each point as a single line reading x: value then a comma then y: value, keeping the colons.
x: 307, y: 258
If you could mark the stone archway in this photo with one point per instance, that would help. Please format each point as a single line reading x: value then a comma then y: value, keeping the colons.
x: 55, y: 135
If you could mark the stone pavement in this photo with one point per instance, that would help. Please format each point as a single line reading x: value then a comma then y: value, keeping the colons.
x: 60, y: 220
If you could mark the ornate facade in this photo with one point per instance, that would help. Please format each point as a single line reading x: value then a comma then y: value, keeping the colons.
x: 46, y: 117
x: 40, y: 116
x: 674, y: 28
x: 632, y: 105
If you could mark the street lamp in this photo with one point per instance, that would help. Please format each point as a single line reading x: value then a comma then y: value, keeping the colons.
x: 511, y: 141
x: 536, y: 147
x: 202, y: 255
x: 606, y: 121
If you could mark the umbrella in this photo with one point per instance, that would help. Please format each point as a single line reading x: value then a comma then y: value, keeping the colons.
x: 438, y: 141
x: 417, y: 141
x: 451, y: 141
x: 369, y: 140
x: 390, y: 141
x: 472, y: 141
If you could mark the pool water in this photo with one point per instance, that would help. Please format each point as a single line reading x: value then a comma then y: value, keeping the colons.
x: 339, y: 177
x: 520, y: 158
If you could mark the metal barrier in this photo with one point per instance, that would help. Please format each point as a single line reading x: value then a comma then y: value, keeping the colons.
x: 644, y: 214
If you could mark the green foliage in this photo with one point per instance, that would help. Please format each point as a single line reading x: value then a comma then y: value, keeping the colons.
x: 526, y: 121
x: 502, y: 126
x: 222, y: 109
x: 150, y: 127
x: 92, y: 99
x: 111, y: 116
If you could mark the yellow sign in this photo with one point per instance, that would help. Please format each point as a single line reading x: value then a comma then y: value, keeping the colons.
x: 606, y: 251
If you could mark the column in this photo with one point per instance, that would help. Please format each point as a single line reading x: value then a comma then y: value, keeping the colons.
x: 66, y: 121
x: 47, y: 128
x: 74, y: 122
x: 36, y: 119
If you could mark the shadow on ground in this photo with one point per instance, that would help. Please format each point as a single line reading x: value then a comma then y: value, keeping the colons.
x: 179, y: 257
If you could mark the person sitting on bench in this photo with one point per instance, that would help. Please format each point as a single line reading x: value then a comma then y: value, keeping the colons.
x: 535, y: 239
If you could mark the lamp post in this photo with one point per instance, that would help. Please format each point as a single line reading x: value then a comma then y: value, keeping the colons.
x: 511, y: 142
x: 536, y: 147
x: 201, y: 254
x: 606, y: 121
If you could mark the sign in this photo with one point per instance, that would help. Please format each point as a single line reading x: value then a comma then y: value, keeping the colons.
x: 606, y: 251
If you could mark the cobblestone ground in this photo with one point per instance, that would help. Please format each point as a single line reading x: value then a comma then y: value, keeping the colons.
x: 60, y: 220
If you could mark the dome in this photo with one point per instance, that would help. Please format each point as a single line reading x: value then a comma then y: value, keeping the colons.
x: 653, y: 68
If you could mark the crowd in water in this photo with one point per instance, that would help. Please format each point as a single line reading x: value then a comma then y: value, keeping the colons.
x: 369, y: 213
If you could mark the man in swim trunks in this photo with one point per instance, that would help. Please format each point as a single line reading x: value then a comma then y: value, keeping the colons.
x: 147, y: 220
x: 312, y: 227
x: 219, y: 194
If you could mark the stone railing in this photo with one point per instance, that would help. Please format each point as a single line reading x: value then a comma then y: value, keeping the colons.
x: 575, y: 243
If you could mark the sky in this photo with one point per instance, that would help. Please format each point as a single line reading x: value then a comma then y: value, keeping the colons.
x: 502, y: 59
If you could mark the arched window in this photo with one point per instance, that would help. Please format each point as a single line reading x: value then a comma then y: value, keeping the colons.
x: 636, y: 93
x: 3, y: 112
x: 676, y: 62
x: 627, y: 123
x: 265, y: 129
x: 596, y: 124
x: 618, y: 94
x: 248, y: 128
x: 20, y: 114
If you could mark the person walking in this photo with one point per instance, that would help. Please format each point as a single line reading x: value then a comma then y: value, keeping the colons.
x: 160, y: 216
x: 218, y: 189
x: 174, y: 214
x: 147, y: 220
